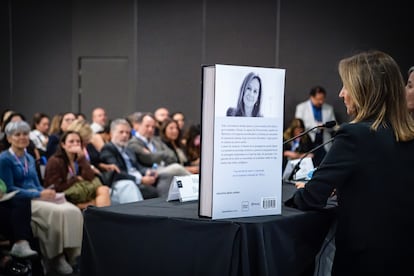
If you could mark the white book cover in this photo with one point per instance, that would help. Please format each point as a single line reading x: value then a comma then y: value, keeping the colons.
x: 241, y: 141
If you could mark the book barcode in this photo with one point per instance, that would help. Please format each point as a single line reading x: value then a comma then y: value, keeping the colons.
x: 269, y: 203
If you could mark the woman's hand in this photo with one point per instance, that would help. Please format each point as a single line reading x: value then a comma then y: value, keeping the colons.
x: 300, y: 185
x: 47, y: 194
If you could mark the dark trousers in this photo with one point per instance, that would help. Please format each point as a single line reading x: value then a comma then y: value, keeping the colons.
x: 15, y: 218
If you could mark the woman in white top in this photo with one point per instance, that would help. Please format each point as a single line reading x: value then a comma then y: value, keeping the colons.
x: 39, y: 134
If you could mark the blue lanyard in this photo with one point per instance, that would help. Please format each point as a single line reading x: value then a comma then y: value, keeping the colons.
x: 74, y: 173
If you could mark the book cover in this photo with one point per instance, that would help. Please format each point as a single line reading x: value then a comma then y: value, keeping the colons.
x: 241, y: 141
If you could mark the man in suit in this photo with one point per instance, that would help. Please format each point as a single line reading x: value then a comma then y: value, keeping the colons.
x: 151, y: 151
x: 130, y: 181
x: 316, y: 112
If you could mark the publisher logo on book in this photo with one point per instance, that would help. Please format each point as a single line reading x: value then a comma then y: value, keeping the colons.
x: 245, y: 206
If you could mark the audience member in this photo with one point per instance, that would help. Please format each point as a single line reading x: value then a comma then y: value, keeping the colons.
x: 102, y: 170
x: 54, y: 126
x: 15, y: 217
x: 149, y: 149
x: 133, y: 119
x: 66, y: 119
x: 105, y: 137
x: 87, y: 136
x: 369, y: 167
x: 5, y: 144
x: 160, y: 115
x: 152, y: 152
x: 99, y: 119
x: 170, y: 135
x: 129, y: 177
x: 81, y: 116
x: 192, y: 145
x: 180, y: 119
x: 250, y: 97
x: 4, y: 115
x: 39, y: 133
x: 315, y: 111
x: 58, y: 226
x: 69, y: 171
x: 409, y: 91
x: 299, y: 146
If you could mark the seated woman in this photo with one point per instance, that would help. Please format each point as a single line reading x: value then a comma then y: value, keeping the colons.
x: 92, y: 144
x: 192, y: 146
x: 39, y: 134
x: 69, y: 171
x: 15, y: 217
x: 59, y: 124
x: 57, y: 226
x: 299, y: 146
x: 170, y: 135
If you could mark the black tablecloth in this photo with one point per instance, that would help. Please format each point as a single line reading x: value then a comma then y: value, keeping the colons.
x: 154, y: 237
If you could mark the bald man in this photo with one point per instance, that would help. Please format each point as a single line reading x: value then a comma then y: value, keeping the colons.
x: 99, y: 119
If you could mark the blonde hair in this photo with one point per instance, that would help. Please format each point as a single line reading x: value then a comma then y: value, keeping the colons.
x: 376, y: 87
x: 54, y: 127
x: 83, y: 128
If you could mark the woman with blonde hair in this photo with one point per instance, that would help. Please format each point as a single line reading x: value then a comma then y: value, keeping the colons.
x: 369, y: 166
x: 409, y: 91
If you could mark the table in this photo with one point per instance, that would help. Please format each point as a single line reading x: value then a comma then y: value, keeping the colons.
x: 155, y: 237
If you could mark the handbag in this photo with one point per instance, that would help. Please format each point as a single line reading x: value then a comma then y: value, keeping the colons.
x: 82, y: 191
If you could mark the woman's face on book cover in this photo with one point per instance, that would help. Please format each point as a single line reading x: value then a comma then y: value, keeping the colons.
x: 251, y: 94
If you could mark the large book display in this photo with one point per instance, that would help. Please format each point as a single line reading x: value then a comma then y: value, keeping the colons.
x: 241, y: 141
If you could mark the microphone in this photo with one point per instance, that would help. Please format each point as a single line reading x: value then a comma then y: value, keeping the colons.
x: 297, y: 166
x: 329, y: 124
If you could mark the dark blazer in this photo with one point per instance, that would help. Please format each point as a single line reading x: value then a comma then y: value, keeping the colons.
x: 52, y: 144
x: 110, y: 155
x: 372, y: 175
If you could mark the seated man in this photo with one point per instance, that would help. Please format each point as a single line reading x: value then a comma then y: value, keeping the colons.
x: 99, y: 119
x: 130, y: 180
x: 151, y: 150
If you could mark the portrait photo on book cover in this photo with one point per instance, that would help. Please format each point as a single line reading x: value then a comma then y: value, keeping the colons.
x: 250, y: 96
x: 249, y: 91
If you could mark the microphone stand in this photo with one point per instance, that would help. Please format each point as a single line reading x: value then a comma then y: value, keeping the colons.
x: 297, y: 166
x: 329, y: 124
x: 301, y: 134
